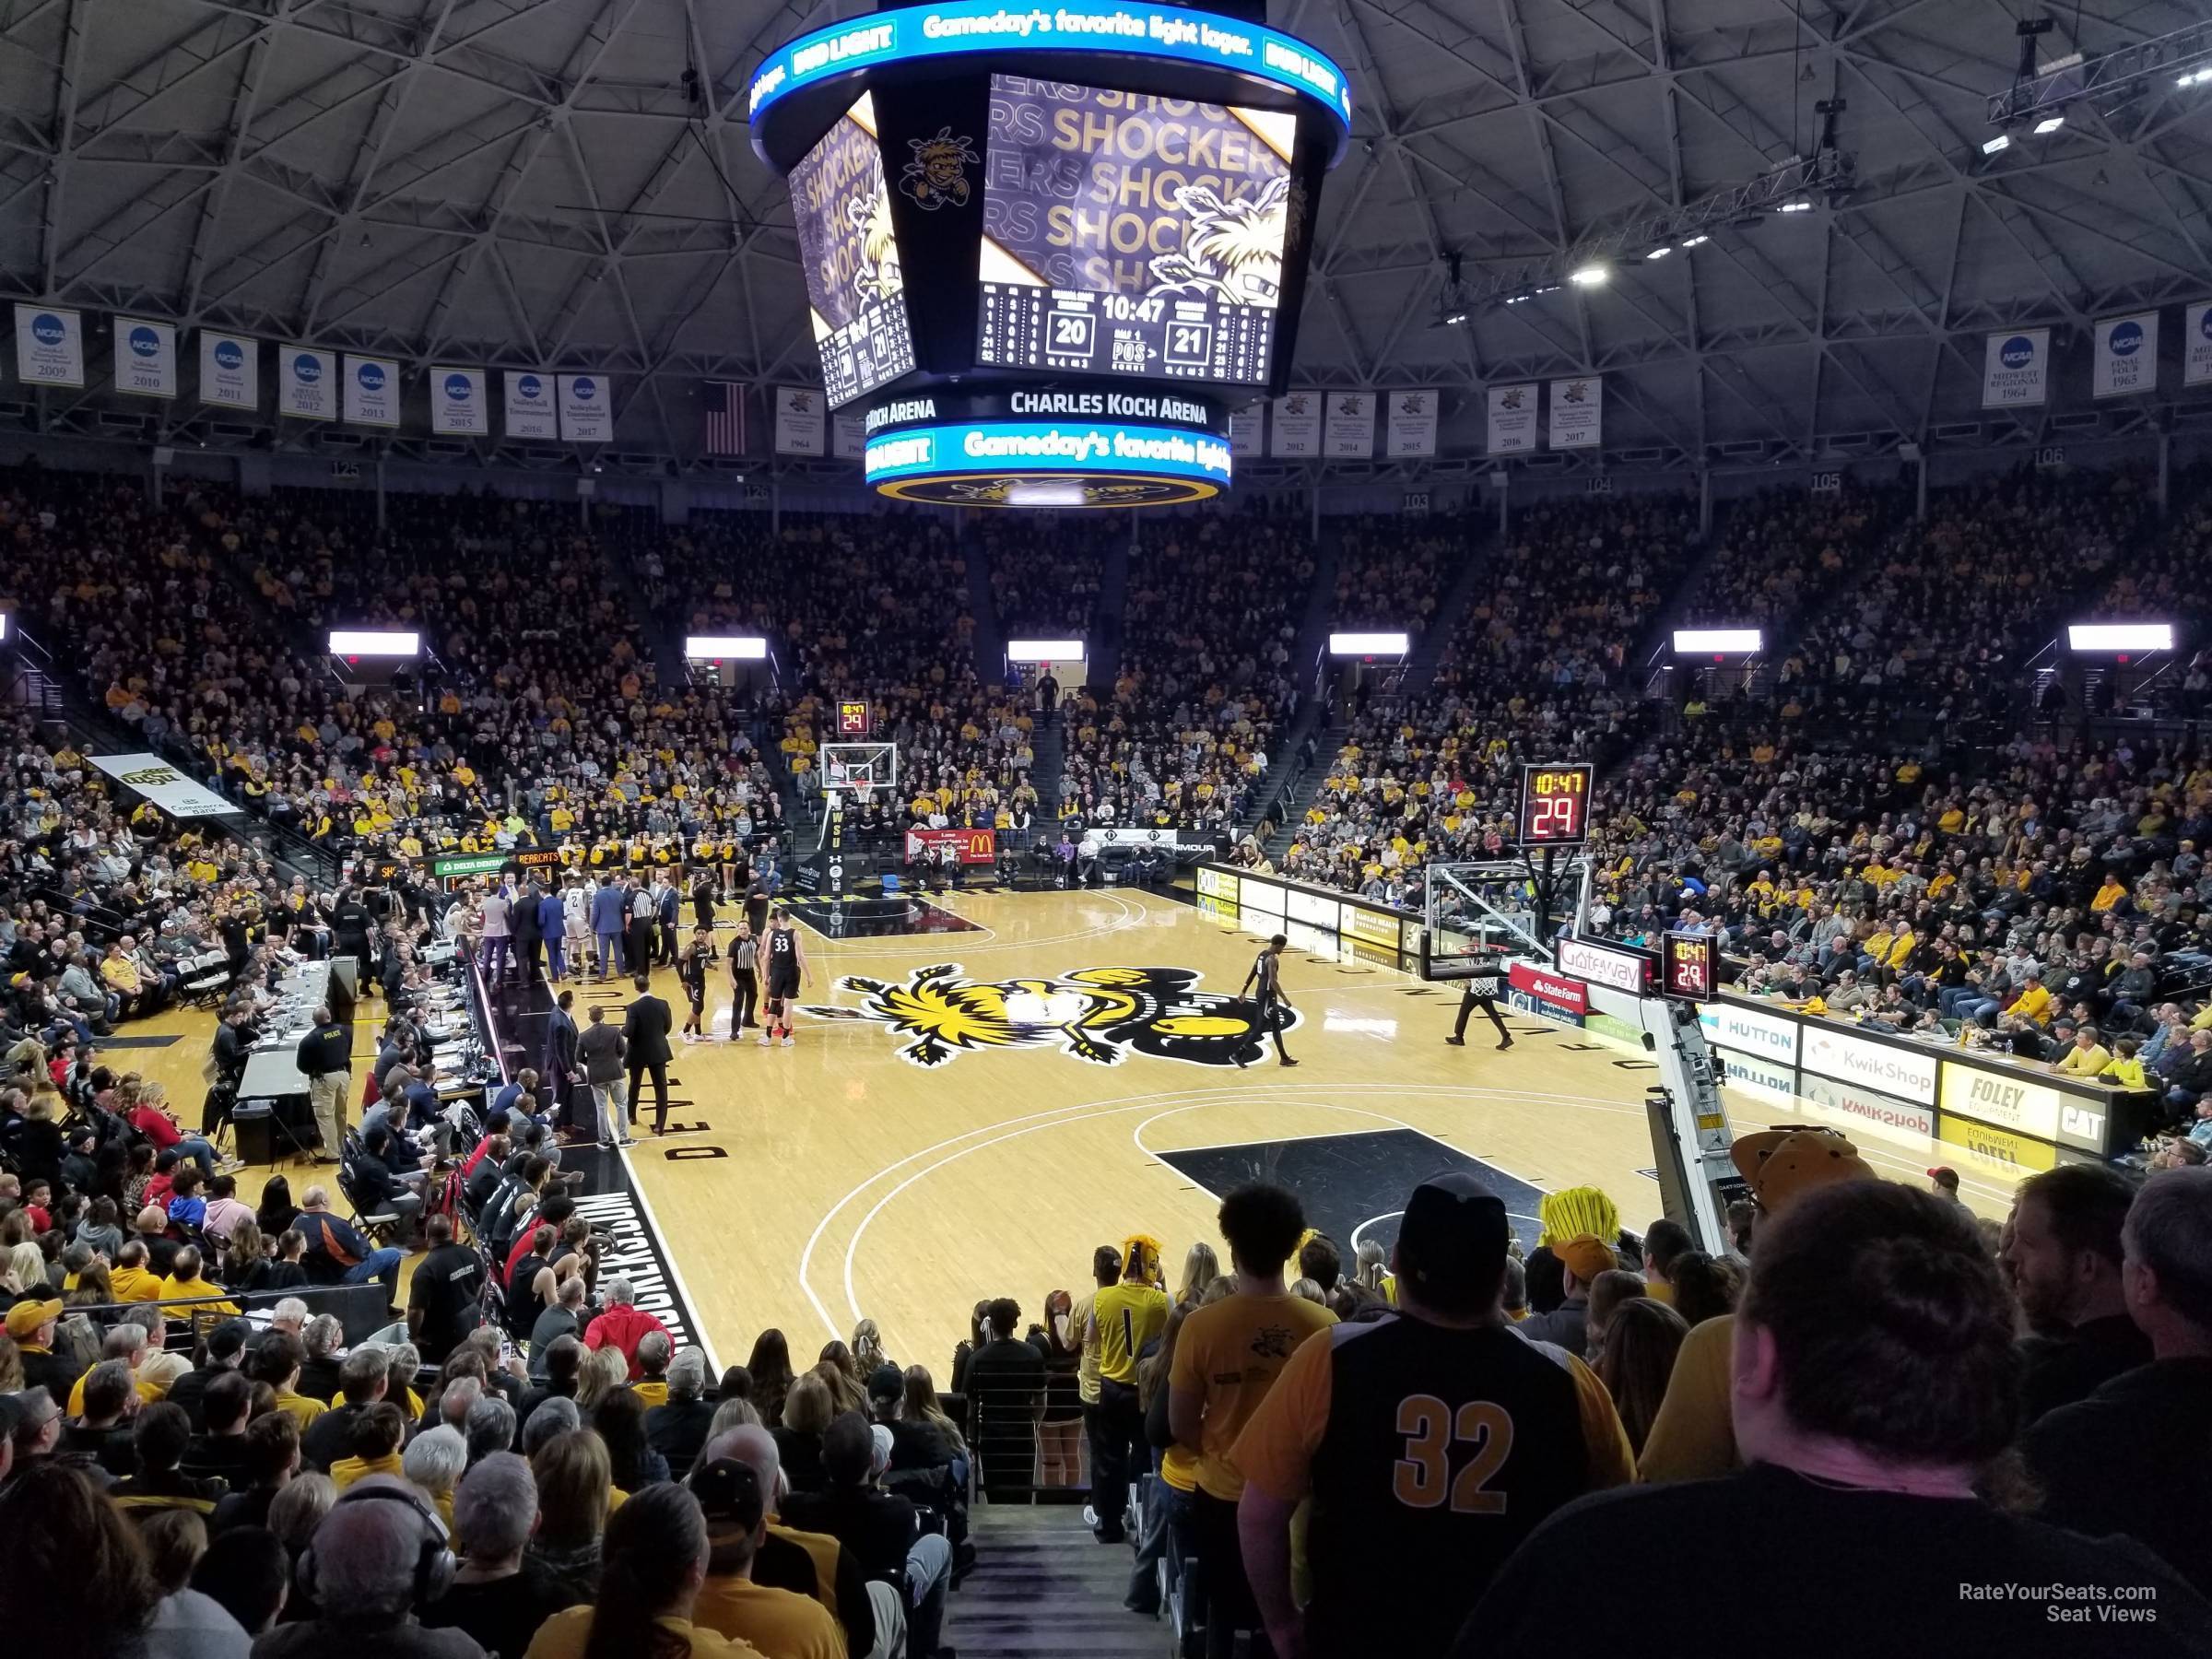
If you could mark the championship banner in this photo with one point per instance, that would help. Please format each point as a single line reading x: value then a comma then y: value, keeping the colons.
x: 162, y: 784
x: 1348, y: 427
x: 1295, y: 427
x: 457, y: 407
x: 146, y: 358
x: 2016, y: 369
x: 306, y: 387
x: 848, y: 434
x: 974, y: 846
x: 799, y: 429
x: 372, y: 391
x: 2126, y: 362
x: 1513, y: 418
x: 530, y: 405
x: 2197, y: 345
x: 229, y: 370
x: 586, y: 415
x: 1409, y: 428
x: 1577, y: 411
x: 49, y: 346
x: 1248, y: 431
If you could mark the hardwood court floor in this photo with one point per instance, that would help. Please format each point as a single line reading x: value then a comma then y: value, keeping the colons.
x: 807, y: 1187
x: 840, y: 1179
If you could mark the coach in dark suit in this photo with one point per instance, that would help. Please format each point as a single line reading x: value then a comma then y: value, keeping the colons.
x: 561, y: 1065
x: 529, y: 942
x: 645, y: 1034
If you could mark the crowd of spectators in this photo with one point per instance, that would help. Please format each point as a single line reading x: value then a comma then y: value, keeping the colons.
x: 1392, y: 573
x: 1205, y: 685
x: 1046, y: 570
x: 1538, y: 669
x: 1779, y: 551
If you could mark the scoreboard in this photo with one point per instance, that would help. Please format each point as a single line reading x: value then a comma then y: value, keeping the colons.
x: 1555, y: 804
x: 1105, y: 192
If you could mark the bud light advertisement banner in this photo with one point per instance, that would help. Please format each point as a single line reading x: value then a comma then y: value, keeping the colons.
x: 49, y: 346
x: 307, y: 384
x: 372, y: 392
x: 457, y: 403
x: 146, y: 358
x: 530, y: 405
x: 229, y: 370
x: 2016, y: 369
x: 587, y: 409
x: 2127, y: 355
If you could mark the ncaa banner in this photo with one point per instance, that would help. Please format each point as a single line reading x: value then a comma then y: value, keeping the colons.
x: 162, y: 784
x: 1410, y: 427
x: 2197, y: 345
x: 229, y: 370
x: 798, y: 421
x: 49, y: 346
x: 372, y: 392
x: 1295, y: 426
x: 586, y: 416
x: 1248, y: 430
x: 530, y: 405
x: 146, y: 358
x: 1513, y: 419
x: 1577, y: 411
x: 848, y: 434
x: 457, y: 403
x: 1348, y: 429
x: 2016, y: 369
x: 2127, y: 355
x: 308, y: 384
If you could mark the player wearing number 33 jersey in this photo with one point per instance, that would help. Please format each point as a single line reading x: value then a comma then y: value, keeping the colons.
x: 1432, y: 1443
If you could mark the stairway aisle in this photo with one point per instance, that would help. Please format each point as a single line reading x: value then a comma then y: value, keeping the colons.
x: 1044, y: 1588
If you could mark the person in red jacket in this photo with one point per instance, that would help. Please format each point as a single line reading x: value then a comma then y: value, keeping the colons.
x: 622, y: 1324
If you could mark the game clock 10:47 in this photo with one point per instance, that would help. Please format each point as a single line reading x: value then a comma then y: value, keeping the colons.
x: 1555, y: 805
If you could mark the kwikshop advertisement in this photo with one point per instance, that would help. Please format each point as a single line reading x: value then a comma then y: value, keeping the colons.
x: 1125, y: 233
x: 974, y: 846
x: 855, y: 288
x: 1536, y: 991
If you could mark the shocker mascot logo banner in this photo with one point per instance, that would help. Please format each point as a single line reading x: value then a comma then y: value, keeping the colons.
x: 1099, y: 1015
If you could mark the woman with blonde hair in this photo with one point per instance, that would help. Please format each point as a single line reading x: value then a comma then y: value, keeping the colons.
x: 847, y: 1386
x: 603, y: 1372
x: 576, y: 1485
x: 868, y: 1350
x: 808, y: 1410
x: 919, y: 1405
x: 1201, y: 1268
x: 26, y: 1273
x: 93, y: 1289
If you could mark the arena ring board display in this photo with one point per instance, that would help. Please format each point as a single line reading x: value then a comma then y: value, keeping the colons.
x: 1052, y: 449
x: 1092, y: 194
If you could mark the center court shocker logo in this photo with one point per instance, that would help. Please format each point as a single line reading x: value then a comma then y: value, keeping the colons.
x: 1099, y: 1015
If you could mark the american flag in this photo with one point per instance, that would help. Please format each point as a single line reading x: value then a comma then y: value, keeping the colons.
x: 724, y: 418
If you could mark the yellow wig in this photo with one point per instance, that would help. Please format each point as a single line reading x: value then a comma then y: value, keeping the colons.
x: 1576, y: 1210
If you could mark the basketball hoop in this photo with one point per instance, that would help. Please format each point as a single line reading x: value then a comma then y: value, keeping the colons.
x: 862, y: 795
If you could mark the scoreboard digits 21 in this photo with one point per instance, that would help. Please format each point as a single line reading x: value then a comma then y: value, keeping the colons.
x: 1555, y: 804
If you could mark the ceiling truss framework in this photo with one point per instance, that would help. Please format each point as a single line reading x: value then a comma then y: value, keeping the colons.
x: 532, y: 184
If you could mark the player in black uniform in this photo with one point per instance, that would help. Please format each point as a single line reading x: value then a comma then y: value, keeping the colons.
x: 1267, y: 976
x: 1481, y: 991
x: 786, y: 973
x: 691, y: 973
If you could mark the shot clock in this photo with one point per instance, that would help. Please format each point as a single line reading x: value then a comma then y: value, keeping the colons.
x: 1555, y: 804
x: 1688, y: 966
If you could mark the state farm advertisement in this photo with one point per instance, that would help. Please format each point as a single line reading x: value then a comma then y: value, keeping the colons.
x: 974, y: 846
x: 1550, y: 994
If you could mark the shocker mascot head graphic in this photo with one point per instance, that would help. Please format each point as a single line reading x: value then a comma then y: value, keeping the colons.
x: 1097, y: 1015
x: 939, y: 172
x: 879, y: 276
x: 1233, y: 248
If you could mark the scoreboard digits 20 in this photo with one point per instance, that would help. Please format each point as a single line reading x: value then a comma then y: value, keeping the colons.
x: 1555, y: 804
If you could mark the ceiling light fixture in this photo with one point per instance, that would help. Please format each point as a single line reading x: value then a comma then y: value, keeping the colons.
x: 1589, y: 276
x: 1695, y: 241
x: 2003, y: 141
x: 1795, y: 207
x: 2049, y: 124
x: 1658, y: 253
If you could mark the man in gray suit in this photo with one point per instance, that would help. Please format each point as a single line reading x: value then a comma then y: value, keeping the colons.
x: 600, y: 1049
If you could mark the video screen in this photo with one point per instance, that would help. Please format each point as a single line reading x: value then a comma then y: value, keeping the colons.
x: 856, y: 291
x: 1129, y: 234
